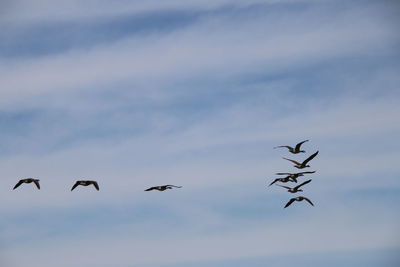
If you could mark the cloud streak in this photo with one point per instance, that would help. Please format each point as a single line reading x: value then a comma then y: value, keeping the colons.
x: 201, y: 105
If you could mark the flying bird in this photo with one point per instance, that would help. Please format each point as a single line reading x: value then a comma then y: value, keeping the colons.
x: 302, y: 165
x: 300, y: 198
x: 162, y: 187
x: 296, y: 149
x: 85, y: 183
x: 28, y: 181
x: 282, y: 180
x: 296, y: 188
x: 293, y: 176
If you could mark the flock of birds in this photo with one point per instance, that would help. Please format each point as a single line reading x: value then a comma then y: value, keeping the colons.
x: 292, y: 177
x: 289, y: 177
x: 90, y: 182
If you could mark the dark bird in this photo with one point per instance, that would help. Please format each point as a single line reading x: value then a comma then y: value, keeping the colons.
x: 28, y: 181
x: 293, y: 176
x: 296, y: 188
x: 303, y: 165
x: 300, y: 198
x: 282, y: 180
x: 295, y: 149
x: 162, y: 187
x: 85, y: 183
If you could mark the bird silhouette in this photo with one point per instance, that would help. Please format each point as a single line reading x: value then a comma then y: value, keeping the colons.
x: 28, y: 181
x: 162, y: 187
x: 86, y: 183
x: 296, y: 149
x: 282, y: 180
x: 293, y: 176
x: 300, y: 198
x: 296, y: 188
x: 303, y: 164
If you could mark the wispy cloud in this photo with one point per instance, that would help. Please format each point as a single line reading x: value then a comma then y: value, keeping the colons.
x: 196, y: 93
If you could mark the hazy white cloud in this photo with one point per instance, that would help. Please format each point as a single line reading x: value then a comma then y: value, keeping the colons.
x: 200, y: 106
x: 316, y: 234
x: 213, y: 46
x: 22, y: 11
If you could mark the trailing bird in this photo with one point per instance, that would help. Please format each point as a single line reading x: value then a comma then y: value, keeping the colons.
x: 85, y: 183
x: 293, y: 176
x: 282, y: 180
x: 162, y: 187
x: 302, y: 165
x: 300, y: 198
x: 28, y: 181
x: 296, y: 149
x: 296, y: 188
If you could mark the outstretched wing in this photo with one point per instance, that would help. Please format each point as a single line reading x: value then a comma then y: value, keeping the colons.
x: 37, y: 184
x: 283, y: 173
x: 287, y: 187
x: 306, y: 172
x: 295, y: 162
x: 288, y: 147
x: 172, y: 186
x: 290, y: 202
x: 74, y: 186
x: 96, y: 185
x: 299, y: 145
x: 276, y: 180
x: 151, y: 188
x: 300, y: 185
x: 309, y: 201
x: 310, y: 158
x: 18, y: 184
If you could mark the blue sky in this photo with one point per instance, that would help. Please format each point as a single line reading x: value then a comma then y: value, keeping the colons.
x: 197, y: 93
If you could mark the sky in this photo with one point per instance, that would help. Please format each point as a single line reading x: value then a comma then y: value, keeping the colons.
x: 197, y: 93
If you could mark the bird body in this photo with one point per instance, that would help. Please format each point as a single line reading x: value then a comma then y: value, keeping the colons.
x: 296, y: 149
x: 296, y: 188
x: 28, y: 181
x: 303, y: 164
x: 162, y: 187
x: 282, y: 180
x: 300, y: 198
x: 86, y: 183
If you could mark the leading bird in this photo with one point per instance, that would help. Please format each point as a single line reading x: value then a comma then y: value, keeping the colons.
x: 28, y: 181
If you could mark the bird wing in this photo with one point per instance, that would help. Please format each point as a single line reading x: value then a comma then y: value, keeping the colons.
x: 276, y: 180
x: 288, y: 147
x: 300, y: 185
x: 310, y: 158
x: 75, y: 185
x: 37, y: 184
x: 151, y: 188
x: 309, y: 201
x: 290, y: 202
x: 306, y: 172
x: 96, y: 185
x: 283, y: 173
x: 18, y: 184
x: 295, y: 162
x: 299, y: 145
x: 172, y: 185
